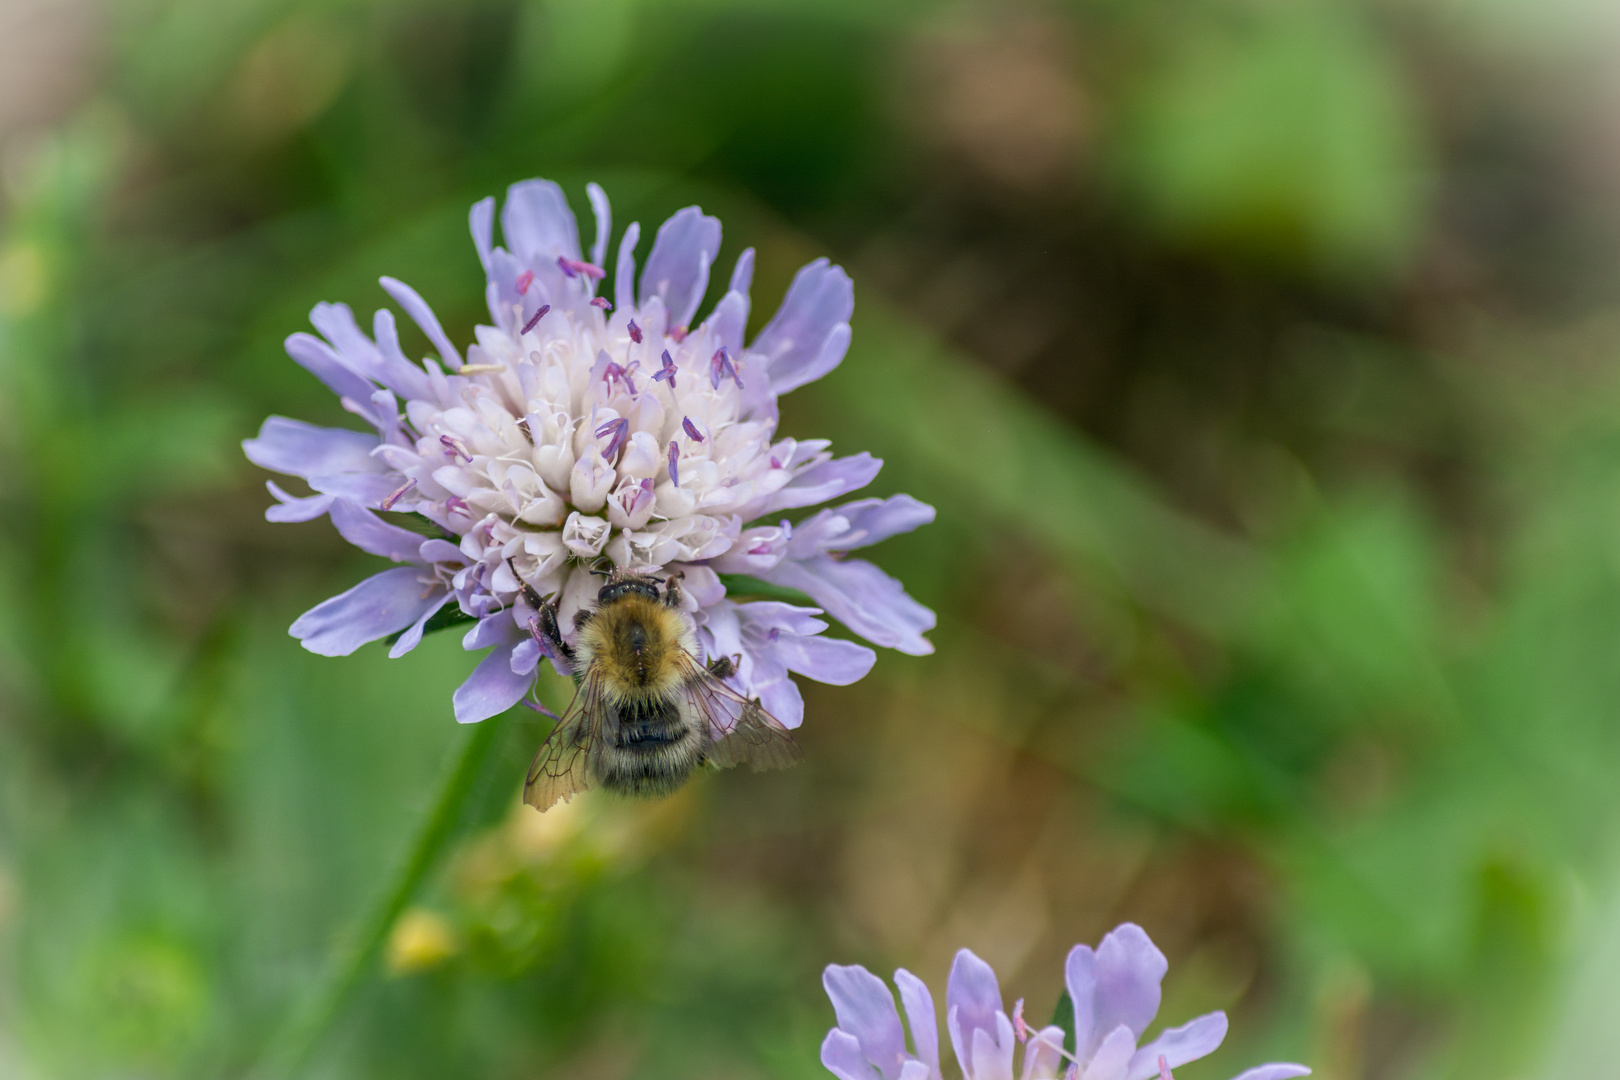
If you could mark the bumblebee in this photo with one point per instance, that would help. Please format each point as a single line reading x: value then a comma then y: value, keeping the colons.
x: 646, y: 711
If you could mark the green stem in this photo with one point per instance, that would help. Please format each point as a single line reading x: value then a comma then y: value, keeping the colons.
x: 290, y: 1049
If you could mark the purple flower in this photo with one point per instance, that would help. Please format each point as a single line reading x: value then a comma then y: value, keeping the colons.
x: 1115, y: 990
x: 537, y: 453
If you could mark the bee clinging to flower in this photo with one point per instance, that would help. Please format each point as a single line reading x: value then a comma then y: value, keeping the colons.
x: 646, y: 711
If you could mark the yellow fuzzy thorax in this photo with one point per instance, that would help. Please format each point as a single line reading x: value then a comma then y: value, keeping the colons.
x: 637, y: 645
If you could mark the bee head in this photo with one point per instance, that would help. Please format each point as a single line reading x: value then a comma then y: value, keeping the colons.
x: 623, y: 582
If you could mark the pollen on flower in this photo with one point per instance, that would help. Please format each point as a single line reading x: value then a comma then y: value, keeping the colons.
x: 601, y: 302
x: 1020, y: 1028
x: 635, y: 333
x: 721, y: 367
x: 455, y: 446
x: 536, y: 317
x: 690, y: 429
x: 524, y: 282
x: 580, y: 268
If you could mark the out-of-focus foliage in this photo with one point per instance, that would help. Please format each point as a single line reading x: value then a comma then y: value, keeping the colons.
x: 1260, y: 358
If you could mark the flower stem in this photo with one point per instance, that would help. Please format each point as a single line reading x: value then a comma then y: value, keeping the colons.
x: 298, y: 1038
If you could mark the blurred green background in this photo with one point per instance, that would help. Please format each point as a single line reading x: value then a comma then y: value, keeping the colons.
x: 1262, y: 358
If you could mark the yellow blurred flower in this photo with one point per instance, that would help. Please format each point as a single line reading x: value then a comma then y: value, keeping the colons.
x: 421, y: 940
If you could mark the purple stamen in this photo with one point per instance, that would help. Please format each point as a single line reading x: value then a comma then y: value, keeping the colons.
x: 690, y: 429
x: 667, y: 372
x: 536, y: 317
x: 721, y: 367
x: 576, y: 268
x: 619, y: 429
x: 455, y: 446
x: 678, y: 333
x: 1164, y: 1069
x: 629, y: 381
x: 775, y: 633
x: 602, y: 302
x: 397, y: 494
x: 775, y: 464
x: 674, y: 454
x: 761, y: 548
x: 457, y: 503
x: 635, y: 332
x: 787, y: 529
x: 524, y: 282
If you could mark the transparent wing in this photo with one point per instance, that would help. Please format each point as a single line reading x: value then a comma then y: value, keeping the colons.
x: 740, y: 729
x: 559, y: 770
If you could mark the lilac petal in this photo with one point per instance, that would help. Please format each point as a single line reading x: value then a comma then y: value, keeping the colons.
x: 292, y: 508
x: 1080, y: 979
x: 375, y: 608
x: 496, y: 629
x: 413, y: 634
x: 624, y: 270
x: 367, y: 489
x: 917, y: 1070
x: 525, y: 656
x: 1281, y: 1070
x: 423, y: 316
x: 730, y: 316
x: 797, y: 339
x: 862, y: 597
x: 841, y: 1054
x: 1112, y: 1058
x: 604, y: 220
x: 827, y: 480
x: 398, y: 372
x: 993, y: 1054
x: 777, y: 693
x: 481, y: 221
x: 492, y: 688
x: 1129, y: 970
x: 865, y: 1009
x: 826, y: 660
x: 919, y: 1005
x: 678, y: 268
x: 537, y: 223
x: 1043, y: 1055
x: 300, y: 449
x: 1189, y: 1042
x: 368, y: 532
x: 322, y: 361
x: 874, y: 520
x: 974, y: 997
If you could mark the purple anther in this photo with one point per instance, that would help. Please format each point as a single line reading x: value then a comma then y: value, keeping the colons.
x: 457, y: 503
x: 602, y: 302
x: 577, y: 268
x: 761, y: 548
x: 678, y: 333
x: 397, y: 494
x: 629, y: 377
x: 721, y: 367
x: 635, y: 332
x: 1164, y: 1069
x: 775, y: 633
x: 787, y: 529
x: 775, y: 464
x: 455, y: 446
x: 536, y: 317
x: 690, y: 429
x: 1020, y: 1028
x: 524, y: 282
x: 667, y: 372
x: 619, y: 429
x: 674, y: 455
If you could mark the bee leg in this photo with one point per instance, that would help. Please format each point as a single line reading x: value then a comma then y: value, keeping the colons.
x: 672, y: 590
x: 544, y: 628
x: 529, y: 594
x: 722, y: 667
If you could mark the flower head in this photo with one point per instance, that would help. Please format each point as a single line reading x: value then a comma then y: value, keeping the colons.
x: 540, y: 452
x: 1115, y: 990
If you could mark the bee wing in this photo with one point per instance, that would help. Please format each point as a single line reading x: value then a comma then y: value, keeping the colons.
x: 740, y: 729
x: 559, y: 770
